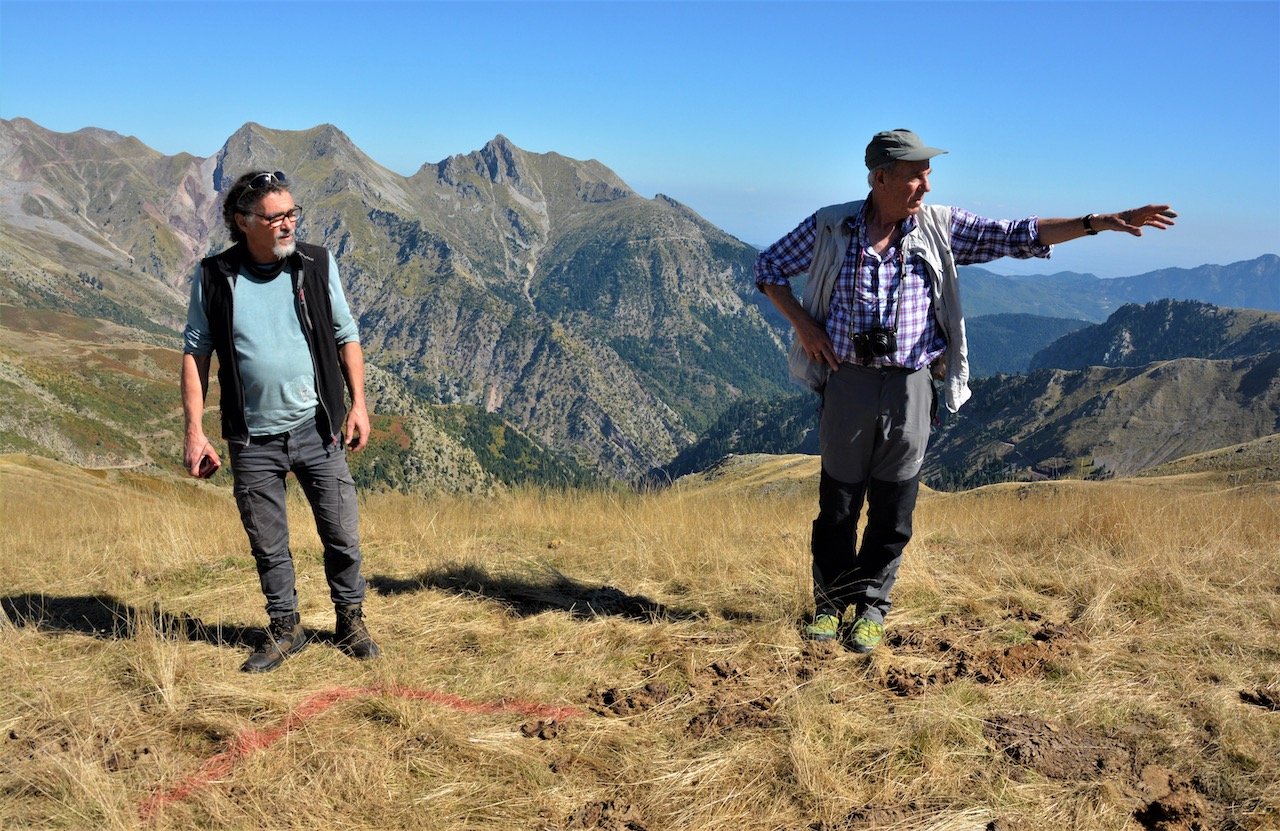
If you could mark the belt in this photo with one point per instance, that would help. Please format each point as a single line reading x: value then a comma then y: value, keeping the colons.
x: 880, y: 370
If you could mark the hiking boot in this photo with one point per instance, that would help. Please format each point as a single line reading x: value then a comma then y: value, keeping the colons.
x: 284, y: 636
x: 351, y: 635
x: 866, y: 635
x: 825, y: 627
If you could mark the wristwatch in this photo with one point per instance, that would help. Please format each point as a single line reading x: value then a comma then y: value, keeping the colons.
x: 1088, y: 225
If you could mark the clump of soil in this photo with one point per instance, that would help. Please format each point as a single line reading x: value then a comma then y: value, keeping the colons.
x: 1170, y: 802
x: 729, y: 699
x: 1054, y: 751
x: 1266, y: 697
x: 1162, y: 800
x: 1049, y: 645
x: 723, y: 714
x: 623, y: 703
x: 613, y: 815
x: 734, y: 702
x: 544, y: 729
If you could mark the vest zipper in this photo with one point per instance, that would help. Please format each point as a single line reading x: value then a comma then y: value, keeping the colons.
x: 235, y: 359
x: 308, y: 329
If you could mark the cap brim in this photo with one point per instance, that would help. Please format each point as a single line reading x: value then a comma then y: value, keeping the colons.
x: 920, y: 154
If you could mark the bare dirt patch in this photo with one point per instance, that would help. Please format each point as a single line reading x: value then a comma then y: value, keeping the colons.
x: 545, y: 729
x: 619, y: 702
x: 735, y: 699
x: 1268, y: 698
x: 613, y: 815
x: 949, y: 659
x: 1170, y: 802
x: 1162, y: 800
x: 1055, y: 751
x: 726, y: 697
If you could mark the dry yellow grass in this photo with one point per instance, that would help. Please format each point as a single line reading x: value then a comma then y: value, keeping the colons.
x: 1062, y: 656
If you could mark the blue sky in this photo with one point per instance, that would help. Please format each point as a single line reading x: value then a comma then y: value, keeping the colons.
x: 753, y: 114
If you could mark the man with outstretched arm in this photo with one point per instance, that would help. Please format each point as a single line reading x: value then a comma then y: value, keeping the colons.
x: 880, y: 321
x: 274, y: 312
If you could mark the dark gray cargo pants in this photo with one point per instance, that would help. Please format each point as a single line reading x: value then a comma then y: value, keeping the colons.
x: 873, y: 435
x: 260, y: 469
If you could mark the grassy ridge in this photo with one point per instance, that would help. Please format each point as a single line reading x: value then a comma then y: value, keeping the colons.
x: 87, y: 390
x: 1068, y: 655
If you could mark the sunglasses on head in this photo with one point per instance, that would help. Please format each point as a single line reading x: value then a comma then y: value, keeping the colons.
x: 266, y: 180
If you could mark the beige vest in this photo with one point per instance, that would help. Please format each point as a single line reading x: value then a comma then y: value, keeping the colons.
x: 931, y: 242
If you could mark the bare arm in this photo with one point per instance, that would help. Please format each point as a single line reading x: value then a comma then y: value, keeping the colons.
x: 1054, y: 231
x: 812, y: 335
x: 355, y: 431
x: 195, y: 386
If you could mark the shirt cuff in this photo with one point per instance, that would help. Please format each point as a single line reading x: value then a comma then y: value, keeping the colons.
x: 763, y: 280
x: 1035, y: 247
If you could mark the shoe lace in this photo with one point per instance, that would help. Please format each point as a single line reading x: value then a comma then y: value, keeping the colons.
x: 868, y: 628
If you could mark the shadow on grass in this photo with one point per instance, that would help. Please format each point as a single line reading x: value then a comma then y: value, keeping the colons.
x: 103, y: 616
x: 531, y: 594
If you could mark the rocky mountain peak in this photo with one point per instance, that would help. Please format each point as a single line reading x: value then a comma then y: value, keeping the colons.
x: 502, y: 161
x: 255, y: 143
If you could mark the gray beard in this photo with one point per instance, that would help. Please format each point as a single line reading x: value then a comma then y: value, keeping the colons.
x: 283, y: 249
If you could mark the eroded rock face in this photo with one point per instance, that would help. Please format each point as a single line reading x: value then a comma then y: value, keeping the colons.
x: 604, y: 325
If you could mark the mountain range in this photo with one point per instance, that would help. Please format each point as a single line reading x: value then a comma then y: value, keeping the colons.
x: 525, y: 315
x: 1151, y: 384
x: 1249, y: 284
x: 605, y: 327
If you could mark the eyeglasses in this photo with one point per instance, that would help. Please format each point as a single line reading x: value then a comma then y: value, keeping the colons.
x: 266, y: 180
x: 276, y: 220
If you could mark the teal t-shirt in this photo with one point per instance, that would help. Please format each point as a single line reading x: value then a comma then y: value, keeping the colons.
x: 275, y: 364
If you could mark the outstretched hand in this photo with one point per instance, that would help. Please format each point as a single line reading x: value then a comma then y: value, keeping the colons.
x: 1135, y: 219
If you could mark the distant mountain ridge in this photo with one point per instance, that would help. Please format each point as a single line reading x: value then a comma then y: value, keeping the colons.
x: 1105, y: 421
x: 1164, y: 330
x: 1216, y: 383
x: 1249, y: 284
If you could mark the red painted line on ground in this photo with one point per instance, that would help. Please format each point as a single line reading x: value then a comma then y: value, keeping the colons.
x: 218, y: 766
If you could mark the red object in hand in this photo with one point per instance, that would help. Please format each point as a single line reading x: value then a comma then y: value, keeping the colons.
x: 208, y: 467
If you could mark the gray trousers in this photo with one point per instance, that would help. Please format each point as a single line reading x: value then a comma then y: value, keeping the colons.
x: 873, y: 435
x: 260, y: 469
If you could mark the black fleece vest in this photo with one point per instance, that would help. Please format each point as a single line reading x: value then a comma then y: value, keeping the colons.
x: 309, y: 265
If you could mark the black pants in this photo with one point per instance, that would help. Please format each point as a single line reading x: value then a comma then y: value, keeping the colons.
x: 873, y: 434
x: 845, y: 574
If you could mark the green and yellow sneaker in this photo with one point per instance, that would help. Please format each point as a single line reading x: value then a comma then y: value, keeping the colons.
x: 866, y: 635
x: 824, y: 628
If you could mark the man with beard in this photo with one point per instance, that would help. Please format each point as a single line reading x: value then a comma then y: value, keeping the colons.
x: 274, y: 312
x: 881, y: 313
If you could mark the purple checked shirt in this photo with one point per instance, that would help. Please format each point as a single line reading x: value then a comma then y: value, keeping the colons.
x: 884, y: 290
